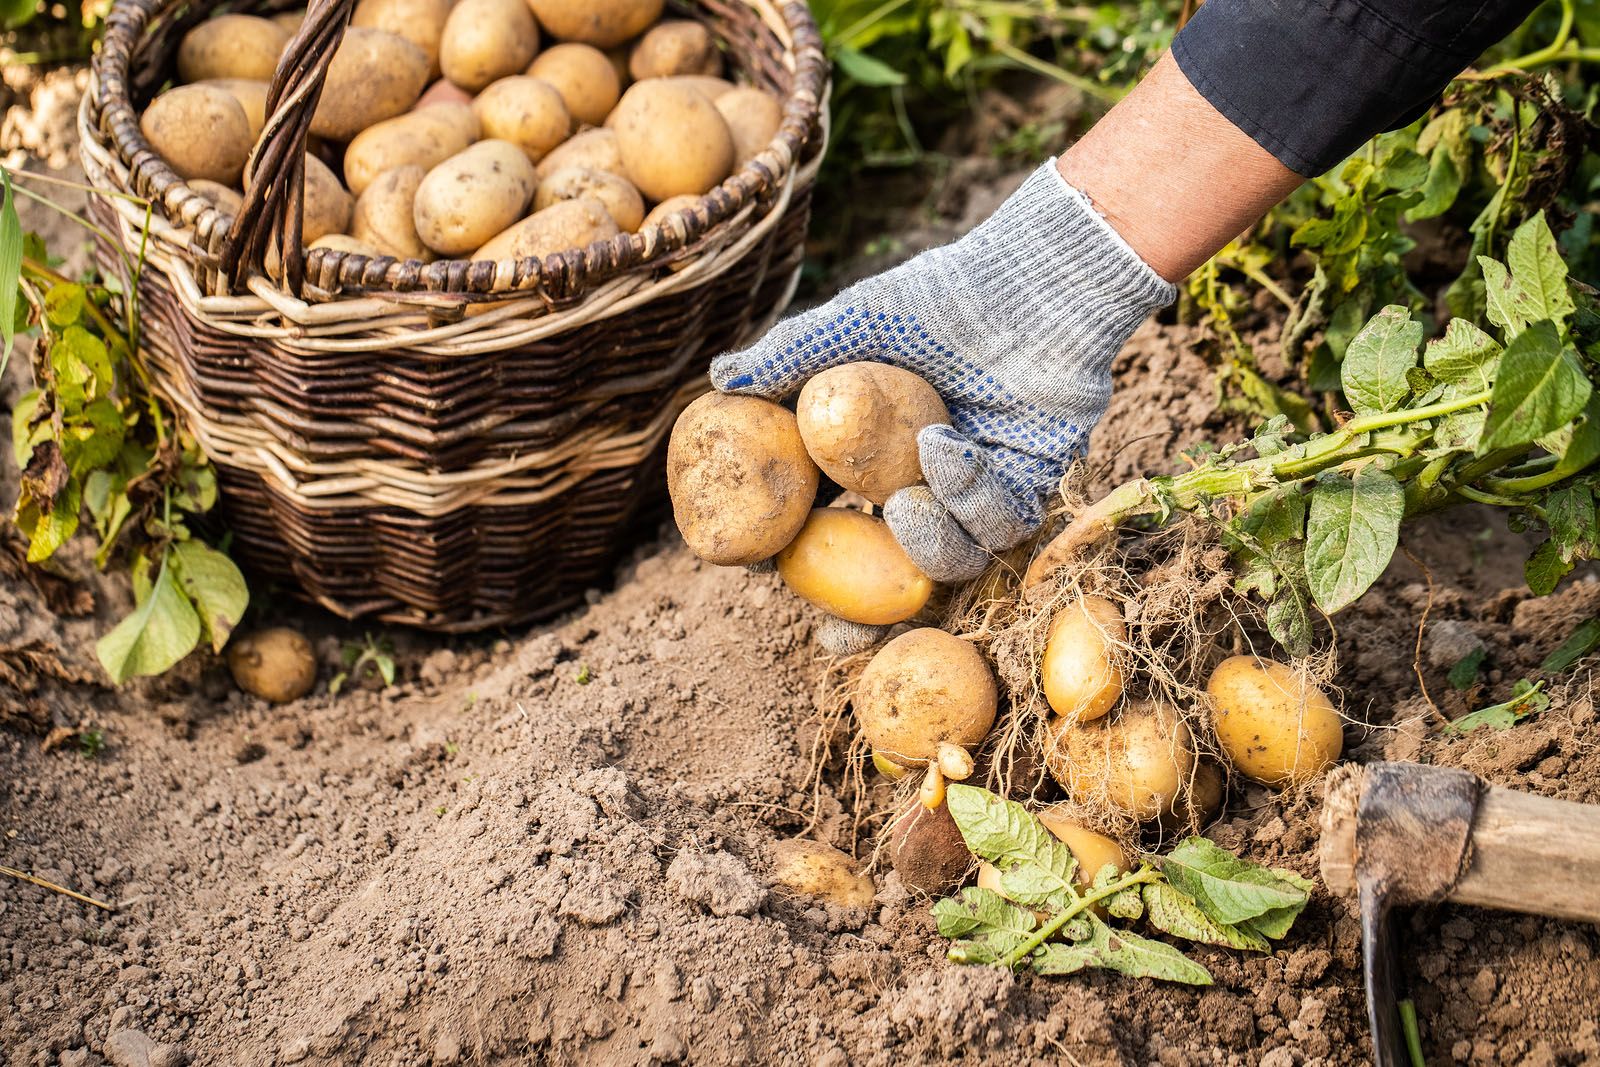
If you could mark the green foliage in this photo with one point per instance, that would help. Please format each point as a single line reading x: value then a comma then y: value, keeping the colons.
x: 1198, y: 893
x: 364, y: 660
x: 1527, y: 698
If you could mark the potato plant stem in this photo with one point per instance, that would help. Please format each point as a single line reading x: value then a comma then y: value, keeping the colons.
x: 1145, y: 873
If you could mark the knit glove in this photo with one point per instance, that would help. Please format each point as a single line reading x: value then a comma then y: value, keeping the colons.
x: 1015, y: 325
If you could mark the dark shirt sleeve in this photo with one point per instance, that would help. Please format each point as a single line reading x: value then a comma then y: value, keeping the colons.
x: 1311, y: 80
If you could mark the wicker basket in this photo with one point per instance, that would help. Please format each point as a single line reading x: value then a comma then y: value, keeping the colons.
x: 449, y: 445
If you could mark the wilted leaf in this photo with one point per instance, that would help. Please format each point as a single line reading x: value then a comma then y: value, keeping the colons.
x: 1545, y: 568
x: 1464, y: 356
x: 1526, y: 699
x: 1351, y: 533
x: 215, y: 586
x: 1171, y: 910
x: 981, y: 910
x: 1583, y: 640
x: 1126, y: 953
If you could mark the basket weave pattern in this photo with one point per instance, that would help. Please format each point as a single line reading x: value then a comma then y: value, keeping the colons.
x: 450, y: 445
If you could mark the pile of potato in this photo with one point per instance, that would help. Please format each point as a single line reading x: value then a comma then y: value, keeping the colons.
x: 459, y: 129
x: 743, y: 474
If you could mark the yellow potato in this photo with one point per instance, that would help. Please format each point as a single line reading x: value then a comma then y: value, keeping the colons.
x: 231, y: 46
x: 252, y: 96
x: 422, y: 138
x: 1276, y: 727
x: 671, y: 205
x: 419, y: 21
x: 927, y: 850
x: 374, y: 76
x: 276, y: 665
x: 1136, y: 762
x: 622, y: 201
x: 740, y: 480
x: 602, y: 23
x: 888, y: 767
x: 340, y: 242
x: 712, y: 89
x: 1199, y: 803
x: 1080, y: 672
x: 672, y: 139
x: 384, y: 215
x: 676, y: 46
x: 525, y: 111
x: 564, y: 225
x: 860, y: 423
x: 595, y: 149
x: 485, y: 40
x: 1092, y: 850
x: 848, y: 564
x: 222, y: 197
x: 327, y: 204
x: 583, y: 76
x: 202, y: 132
x: 923, y: 689
x: 289, y: 21
x: 472, y: 196
x: 444, y: 91
x: 817, y: 870
x: 753, y: 117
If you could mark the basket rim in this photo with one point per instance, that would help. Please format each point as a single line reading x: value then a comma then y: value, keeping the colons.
x: 560, y: 279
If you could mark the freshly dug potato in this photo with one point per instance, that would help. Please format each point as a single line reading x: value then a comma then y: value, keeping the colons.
x: 670, y: 205
x: 814, y: 869
x: 444, y: 91
x: 374, y: 76
x: 602, y: 23
x: 252, y: 96
x: 622, y: 201
x: 860, y: 423
x: 1137, y: 762
x: 848, y: 564
x: 221, y: 196
x: 1275, y: 727
x: 340, y: 242
x: 525, y: 111
x: 926, y: 848
x: 753, y: 117
x: 924, y: 689
x: 595, y: 149
x: 583, y: 76
x: 1092, y: 850
x: 676, y: 46
x: 423, y: 138
x: 201, y: 131
x: 384, y: 214
x: 232, y: 46
x: 564, y: 225
x: 419, y: 21
x: 888, y: 767
x: 712, y: 89
x: 740, y: 480
x: 485, y: 40
x: 1200, y: 803
x: 277, y: 665
x: 1081, y: 676
x: 672, y: 139
x: 472, y: 196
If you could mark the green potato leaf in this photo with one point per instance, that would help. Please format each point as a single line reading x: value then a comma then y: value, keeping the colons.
x: 1036, y: 867
x: 1226, y: 888
x: 1123, y: 952
x: 1173, y: 911
x: 1352, y: 531
x: 1464, y: 356
x: 10, y: 263
x: 161, y: 631
x: 1540, y: 388
x: 1584, y: 639
x: 214, y: 584
x: 1500, y: 296
x: 1541, y: 276
x: 1374, y: 371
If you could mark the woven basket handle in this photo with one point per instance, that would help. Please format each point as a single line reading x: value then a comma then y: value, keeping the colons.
x: 275, y: 202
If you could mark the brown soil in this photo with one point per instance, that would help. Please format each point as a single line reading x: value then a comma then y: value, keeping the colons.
x: 554, y: 845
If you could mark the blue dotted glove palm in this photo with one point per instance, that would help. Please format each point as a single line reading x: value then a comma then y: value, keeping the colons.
x: 1015, y: 325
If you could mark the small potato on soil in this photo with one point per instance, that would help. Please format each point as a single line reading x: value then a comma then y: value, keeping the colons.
x: 374, y: 76
x: 525, y: 111
x: 231, y: 46
x: 926, y: 848
x: 814, y: 869
x: 672, y: 139
x: 423, y: 138
x: 419, y: 21
x: 595, y: 149
x: 277, y: 665
x: 1136, y: 762
x: 583, y: 76
x: 201, y: 132
x: 384, y: 214
x: 739, y: 477
x: 1276, y: 727
x: 564, y: 225
x: 622, y: 201
x: 676, y: 46
x: 485, y: 40
x: 924, y: 689
x: 472, y: 196
x: 602, y: 23
x: 860, y: 423
x: 753, y: 117
x: 1079, y: 669
x: 848, y: 564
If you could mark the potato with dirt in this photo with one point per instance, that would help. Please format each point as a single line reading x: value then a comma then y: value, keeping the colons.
x: 252, y: 96
x: 672, y: 139
x: 472, y: 196
x: 374, y: 76
x: 927, y: 849
x: 200, y: 131
x: 848, y: 564
x: 486, y: 40
x: 670, y: 206
x: 231, y: 46
x: 1137, y: 762
x: 860, y: 423
x: 525, y: 111
x: 602, y: 23
x: 622, y: 201
x: 1200, y: 802
x: 1276, y: 726
x: 419, y: 21
x: 584, y: 77
x: 384, y: 215
x: 753, y: 117
x: 278, y: 664
x: 424, y: 138
x: 739, y: 477
x: 561, y: 227
x: 676, y: 46
x: 813, y: 869
x: 1080, y: 670
x: 595, y: 149
x: 327, y: 206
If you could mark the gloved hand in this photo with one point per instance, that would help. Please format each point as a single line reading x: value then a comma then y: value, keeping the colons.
x: 1015, y: 325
